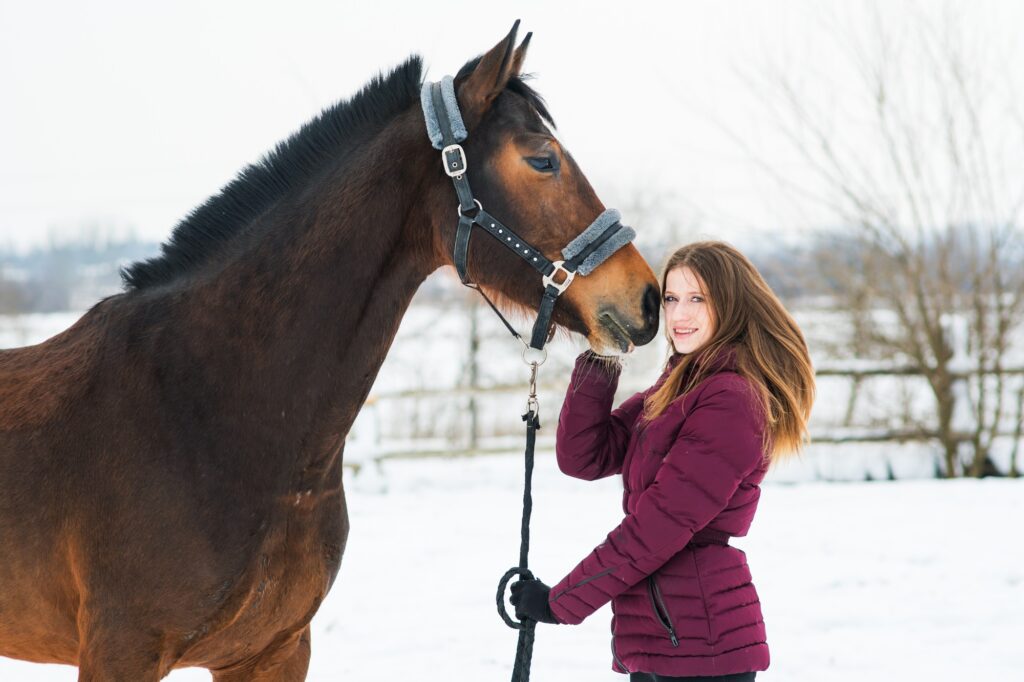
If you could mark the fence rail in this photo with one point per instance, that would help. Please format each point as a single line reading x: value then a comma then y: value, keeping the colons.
x: 909, y: 371
x: 828, y: 434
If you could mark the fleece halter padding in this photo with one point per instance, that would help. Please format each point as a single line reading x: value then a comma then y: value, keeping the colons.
x: 604, y: 240
x: 451, y: 106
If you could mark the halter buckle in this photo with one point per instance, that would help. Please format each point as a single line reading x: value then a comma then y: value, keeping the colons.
x: 549, y: 280
x: 453, y: 158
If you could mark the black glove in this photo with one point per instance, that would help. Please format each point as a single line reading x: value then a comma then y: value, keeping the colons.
x: 530, y: 597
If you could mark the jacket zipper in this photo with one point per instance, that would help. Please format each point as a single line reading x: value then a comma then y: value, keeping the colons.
x: 661, y: 611
x: 615, y: 657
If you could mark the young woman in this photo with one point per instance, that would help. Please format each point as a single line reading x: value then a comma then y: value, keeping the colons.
x: 735, y: 395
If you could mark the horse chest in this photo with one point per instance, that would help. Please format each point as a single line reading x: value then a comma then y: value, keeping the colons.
x: 299, y: 556
x: 286, y: 577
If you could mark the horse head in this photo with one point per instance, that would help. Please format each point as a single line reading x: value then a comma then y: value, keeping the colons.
x: 522, y: 173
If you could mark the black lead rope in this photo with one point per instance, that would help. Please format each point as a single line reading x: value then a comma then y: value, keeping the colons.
x: 527, y: 627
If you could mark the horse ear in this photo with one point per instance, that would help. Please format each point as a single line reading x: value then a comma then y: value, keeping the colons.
x: 488, y: 79
x: 520, y: 56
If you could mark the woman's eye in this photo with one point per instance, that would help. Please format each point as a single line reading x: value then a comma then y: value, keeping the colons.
x: 544, y: 164
x: 670, y: 299
x: 697, y: 299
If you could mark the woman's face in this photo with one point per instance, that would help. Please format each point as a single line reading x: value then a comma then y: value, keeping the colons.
x: 688, y: 313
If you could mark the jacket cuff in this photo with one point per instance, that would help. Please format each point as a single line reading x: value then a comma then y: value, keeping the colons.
x: 563, y: 615
x: 595, y: 375
x: 554, y: 615
x: 571, y: 611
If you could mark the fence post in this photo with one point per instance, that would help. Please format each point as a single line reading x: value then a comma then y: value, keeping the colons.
x: 473, y: 370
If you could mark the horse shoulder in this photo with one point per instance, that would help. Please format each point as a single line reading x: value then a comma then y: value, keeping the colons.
x: 38, y: 382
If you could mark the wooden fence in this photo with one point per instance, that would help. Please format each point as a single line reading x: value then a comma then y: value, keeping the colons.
x: 470, y: 438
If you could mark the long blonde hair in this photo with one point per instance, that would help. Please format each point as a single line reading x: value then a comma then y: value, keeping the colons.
x: 770, y: 348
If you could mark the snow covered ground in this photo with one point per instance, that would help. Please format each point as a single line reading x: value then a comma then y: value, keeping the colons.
x: 912, y: 580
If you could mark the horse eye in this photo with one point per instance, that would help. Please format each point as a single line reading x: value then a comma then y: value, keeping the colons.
x: 544, y: 164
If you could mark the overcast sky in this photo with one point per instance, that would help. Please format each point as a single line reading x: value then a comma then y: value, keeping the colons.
x: 126, y: 115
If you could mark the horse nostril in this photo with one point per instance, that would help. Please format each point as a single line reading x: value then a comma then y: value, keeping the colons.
x: 651, y: 306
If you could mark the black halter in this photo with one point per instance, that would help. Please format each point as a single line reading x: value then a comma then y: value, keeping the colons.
x: 439, y: 107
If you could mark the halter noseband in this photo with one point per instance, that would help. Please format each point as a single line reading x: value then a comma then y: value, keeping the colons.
x: 593, y: 246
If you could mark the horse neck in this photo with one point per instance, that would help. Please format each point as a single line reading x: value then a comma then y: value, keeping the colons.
x: 297, y: 328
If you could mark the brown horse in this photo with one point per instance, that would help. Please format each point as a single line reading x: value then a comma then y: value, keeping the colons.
x: 170, y: 466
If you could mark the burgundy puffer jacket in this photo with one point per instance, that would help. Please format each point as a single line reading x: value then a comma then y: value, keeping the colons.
x: 682, y: 600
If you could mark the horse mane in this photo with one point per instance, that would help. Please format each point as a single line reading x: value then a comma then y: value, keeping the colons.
x: 327, y: 139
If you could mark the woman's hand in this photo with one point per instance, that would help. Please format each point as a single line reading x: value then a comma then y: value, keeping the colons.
x: 530, y: 597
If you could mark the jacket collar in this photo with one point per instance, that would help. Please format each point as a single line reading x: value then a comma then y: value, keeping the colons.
x: 724, y: 360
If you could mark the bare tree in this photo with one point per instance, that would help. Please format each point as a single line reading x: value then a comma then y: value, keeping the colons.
x: 918, y: 165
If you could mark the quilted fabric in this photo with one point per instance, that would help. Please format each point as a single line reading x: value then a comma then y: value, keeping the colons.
x: 682, y: 605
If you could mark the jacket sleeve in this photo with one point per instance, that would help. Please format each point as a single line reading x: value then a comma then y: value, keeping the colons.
x: 591, y: 439
x: 718, y: 446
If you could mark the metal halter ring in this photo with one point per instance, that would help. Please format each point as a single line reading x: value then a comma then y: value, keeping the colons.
x: 537, y: 357
x: 549, y: 280
x: 479, y: 207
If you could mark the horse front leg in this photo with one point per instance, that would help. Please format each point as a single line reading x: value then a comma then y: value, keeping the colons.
x: 286, y: 662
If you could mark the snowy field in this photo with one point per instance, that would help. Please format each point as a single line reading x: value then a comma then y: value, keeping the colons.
x: 918, y: 580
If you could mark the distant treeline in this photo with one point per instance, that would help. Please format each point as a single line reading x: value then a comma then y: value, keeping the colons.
x: 65, y: 276
x: 75, y: 275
